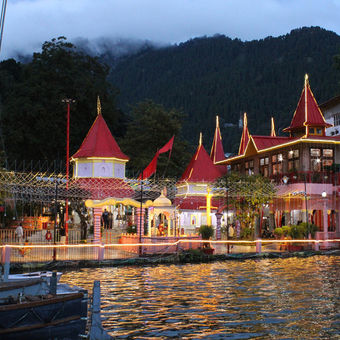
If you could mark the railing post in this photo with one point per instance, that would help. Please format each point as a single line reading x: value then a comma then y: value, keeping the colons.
x: 258, y: 246
x: 6, y: 260
x: 101, y: 252
x: 316, y: 246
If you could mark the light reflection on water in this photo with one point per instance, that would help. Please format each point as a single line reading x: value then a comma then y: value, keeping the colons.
x: 294, y: 298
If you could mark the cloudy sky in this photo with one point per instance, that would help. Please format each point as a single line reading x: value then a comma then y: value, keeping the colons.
x: 31, y: 22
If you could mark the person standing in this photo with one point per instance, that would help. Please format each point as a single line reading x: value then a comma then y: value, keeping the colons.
x: 19, y: 232
x: 105, y: 219
x: 48, y: 236
x: 62, y: 235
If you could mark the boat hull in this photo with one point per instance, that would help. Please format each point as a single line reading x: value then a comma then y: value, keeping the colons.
x: 53, y: 317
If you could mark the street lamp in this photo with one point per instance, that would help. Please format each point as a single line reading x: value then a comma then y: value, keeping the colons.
x: 68, y: 101
x: 325, y: 217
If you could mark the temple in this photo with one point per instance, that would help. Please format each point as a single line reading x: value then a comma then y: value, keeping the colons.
x: 301, y: 165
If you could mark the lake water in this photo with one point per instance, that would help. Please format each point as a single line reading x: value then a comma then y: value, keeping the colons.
x: 294, y: 298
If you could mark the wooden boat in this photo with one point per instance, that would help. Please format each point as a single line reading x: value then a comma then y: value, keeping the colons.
x: 46, y: 275
x: 41, y: 316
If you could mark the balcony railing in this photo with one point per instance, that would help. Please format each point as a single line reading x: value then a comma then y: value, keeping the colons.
x: 308, y: 177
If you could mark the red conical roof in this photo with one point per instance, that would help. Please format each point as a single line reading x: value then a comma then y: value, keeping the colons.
x: 244, y: 137
x: 307, y: 112
x: 201, y: 168
x: 217, y: 153
x: 99, y: 142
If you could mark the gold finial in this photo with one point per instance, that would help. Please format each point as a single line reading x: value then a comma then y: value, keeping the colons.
x: 200, y: 141
x: 99, y: 107
x: 217, y: 122
x: 272, y: 131
x: 245, y: 119
x: 306, y: 79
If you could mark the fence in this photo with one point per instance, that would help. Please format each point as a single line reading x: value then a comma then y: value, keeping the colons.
x: 78, y: 252
x: 36, y: 236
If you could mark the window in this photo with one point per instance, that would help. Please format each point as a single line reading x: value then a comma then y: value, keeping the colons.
x: 321, y: 159
x: 315, y: 160
x: 337, y: 119
x: 264, y: 166
x: 315, y: 131
x: 249, y: 167
x: 277, y: 163
x: 236, y: 167
x: 293, y: 160
x: 327, y: 158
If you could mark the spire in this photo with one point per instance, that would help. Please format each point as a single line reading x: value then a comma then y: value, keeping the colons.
x: 272, y: 130
x: 307, y: 113
x: 99, y: 107
x: 99, y: 141
x: 201, y: 167
x: 217, y: 152
x: 245, y: 136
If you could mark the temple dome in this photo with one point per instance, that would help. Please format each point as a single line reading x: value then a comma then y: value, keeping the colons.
x: 161, y: 201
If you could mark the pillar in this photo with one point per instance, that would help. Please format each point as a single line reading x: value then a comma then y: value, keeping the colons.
x: 325, y: 223
x: 97, y: 214
x: 208, y: 207
x: 218, y: 225
x: 140, y: 218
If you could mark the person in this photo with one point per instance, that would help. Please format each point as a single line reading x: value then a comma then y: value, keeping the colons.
x: 48, y: 236
x: 231, y: 232
x: 105, y: 219
x: 19, y: 232
x: 62, y: 235
x: 25, y: 250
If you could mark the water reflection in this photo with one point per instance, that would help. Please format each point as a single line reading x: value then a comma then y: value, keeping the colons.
x: 264, y: 299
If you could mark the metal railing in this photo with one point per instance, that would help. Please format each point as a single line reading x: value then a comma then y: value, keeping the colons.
x: 36, y: 236
x: 97, y: 252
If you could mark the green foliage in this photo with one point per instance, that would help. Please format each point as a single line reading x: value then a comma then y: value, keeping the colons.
x: 247, y: 194
x: 311, y: 228
x: 34, y: 117
x: 286, y: 230
x: 152, y: 126
x: 131, y: 229
x: 206, y: 231
x: 298, y: 231
x: 246, y: 233
x: 278, y: 232
x: 205, y: 76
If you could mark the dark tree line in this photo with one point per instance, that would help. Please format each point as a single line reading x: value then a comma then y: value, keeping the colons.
x: 218, y: 75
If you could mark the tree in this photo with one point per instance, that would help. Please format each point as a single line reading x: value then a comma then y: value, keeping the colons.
x: 34, y: 117
x: 247, y: 194
x: 152, y: 126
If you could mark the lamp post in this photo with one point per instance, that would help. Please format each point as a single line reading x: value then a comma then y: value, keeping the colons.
x: 325, y: 217
x: 68, y: 103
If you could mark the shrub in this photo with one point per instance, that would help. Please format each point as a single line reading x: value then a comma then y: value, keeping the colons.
x: 246, y: 233
x: 312, y: 229
x: 206, y: 231
x: 297, y: 231
x: 286, y: 230
x: 278, y: 232
x: 131, y: 229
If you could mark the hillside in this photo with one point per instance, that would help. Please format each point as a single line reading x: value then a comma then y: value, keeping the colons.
x: 218, y: 75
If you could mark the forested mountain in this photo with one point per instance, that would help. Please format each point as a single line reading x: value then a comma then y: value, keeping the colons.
x: 218, y: 75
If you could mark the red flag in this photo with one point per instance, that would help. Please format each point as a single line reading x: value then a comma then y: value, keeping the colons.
x: 167, y: 146
x: 150, y: 169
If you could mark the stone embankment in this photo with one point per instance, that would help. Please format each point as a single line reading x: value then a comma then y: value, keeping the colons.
x: 193, y: 256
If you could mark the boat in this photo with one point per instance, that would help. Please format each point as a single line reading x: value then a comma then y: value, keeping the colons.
x: 46, y: 275
x: 28, y: 310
